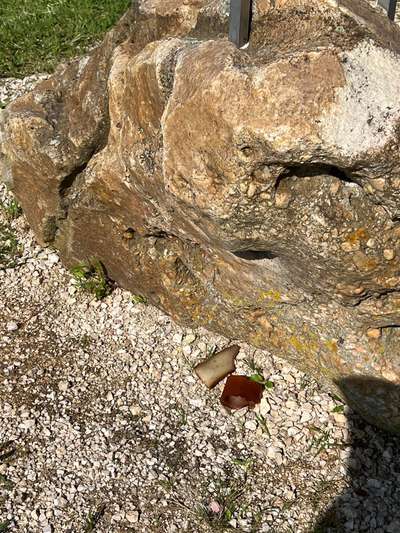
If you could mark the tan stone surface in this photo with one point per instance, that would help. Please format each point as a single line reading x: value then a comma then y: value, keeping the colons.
x: 258, y: 188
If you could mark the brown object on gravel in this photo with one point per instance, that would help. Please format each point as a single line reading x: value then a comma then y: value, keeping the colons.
x: 241, y: 391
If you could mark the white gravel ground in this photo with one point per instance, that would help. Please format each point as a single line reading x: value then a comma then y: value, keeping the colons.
x: 103, y: 426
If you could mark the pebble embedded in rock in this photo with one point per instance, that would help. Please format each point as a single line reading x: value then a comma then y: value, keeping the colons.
x: 389, y: 254
x: 282, y: 200
x: 374, y: 333
x: 12, y: 326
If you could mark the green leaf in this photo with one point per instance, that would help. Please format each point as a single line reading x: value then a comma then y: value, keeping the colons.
x: 258, y: 378
x: 338, y: 409
x: 228, y: 514
x: 336, y: 398
x: 138, y: 299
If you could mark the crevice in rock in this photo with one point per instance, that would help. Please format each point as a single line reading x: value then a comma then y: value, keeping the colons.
x: 315, y: 169
x: 158, y: 233
x: 254, y: 255
x: 64, y: 189
x: 69, y: 180
x: 371, y: 296
x: 167, y: 72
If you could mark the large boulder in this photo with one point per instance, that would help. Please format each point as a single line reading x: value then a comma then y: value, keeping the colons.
x: 254, y: 192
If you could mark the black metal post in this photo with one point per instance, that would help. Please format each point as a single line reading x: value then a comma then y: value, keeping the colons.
x: 389, y: 6
x: 239, y: 22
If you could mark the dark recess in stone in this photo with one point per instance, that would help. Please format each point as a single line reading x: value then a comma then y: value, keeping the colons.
x: 315, y: 169
x: 69, y: 180
x: 254, y: 255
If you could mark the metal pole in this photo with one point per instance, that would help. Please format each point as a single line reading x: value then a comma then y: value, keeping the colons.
x: 389, y: 6
x: 239, y: 22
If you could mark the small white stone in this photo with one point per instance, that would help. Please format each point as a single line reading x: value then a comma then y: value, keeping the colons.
x: 189, y: 339
x: 292, y: 431
x: 306, y: 417
x: 187, y: 350
x: 109, y: 397
x: 197, y: 402
x: 135, y: 410
x: 132, y: 517
x: 12, y: 326
x: 340, y: 419
x: 389, y: 254
x: 251, y: 425
x: 27, y: 424
x: 202, y: 346
x: 53, y: 258
x: 177, y: 338
x: 63, y: 386
x: 264, y: 406
x: 290, y: 404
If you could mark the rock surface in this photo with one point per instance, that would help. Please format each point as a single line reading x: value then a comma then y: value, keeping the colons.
x: 253, y: 192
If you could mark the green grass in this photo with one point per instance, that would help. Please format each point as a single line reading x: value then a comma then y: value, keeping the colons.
x: 139, y: 299
x: 322, y: 440
x: 94, y: 518
x: 11, y: 209
x: 92, y: 278
x: 36, y: 34
x: 229, y: 499
x: 10, y: 248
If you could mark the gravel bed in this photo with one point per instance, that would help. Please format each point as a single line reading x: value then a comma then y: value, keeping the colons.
x: 100, y: 413
x: 104, y: 427
x: 11, y: 88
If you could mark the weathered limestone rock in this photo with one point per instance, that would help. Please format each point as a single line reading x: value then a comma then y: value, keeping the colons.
x: 255, y: 192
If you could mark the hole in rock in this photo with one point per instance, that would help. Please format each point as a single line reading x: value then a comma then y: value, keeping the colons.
x: 255, y: 255
x: 129, y: 234
x: 315, y: 169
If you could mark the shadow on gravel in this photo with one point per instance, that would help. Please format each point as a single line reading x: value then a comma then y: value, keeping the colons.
x: 371, y: 502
